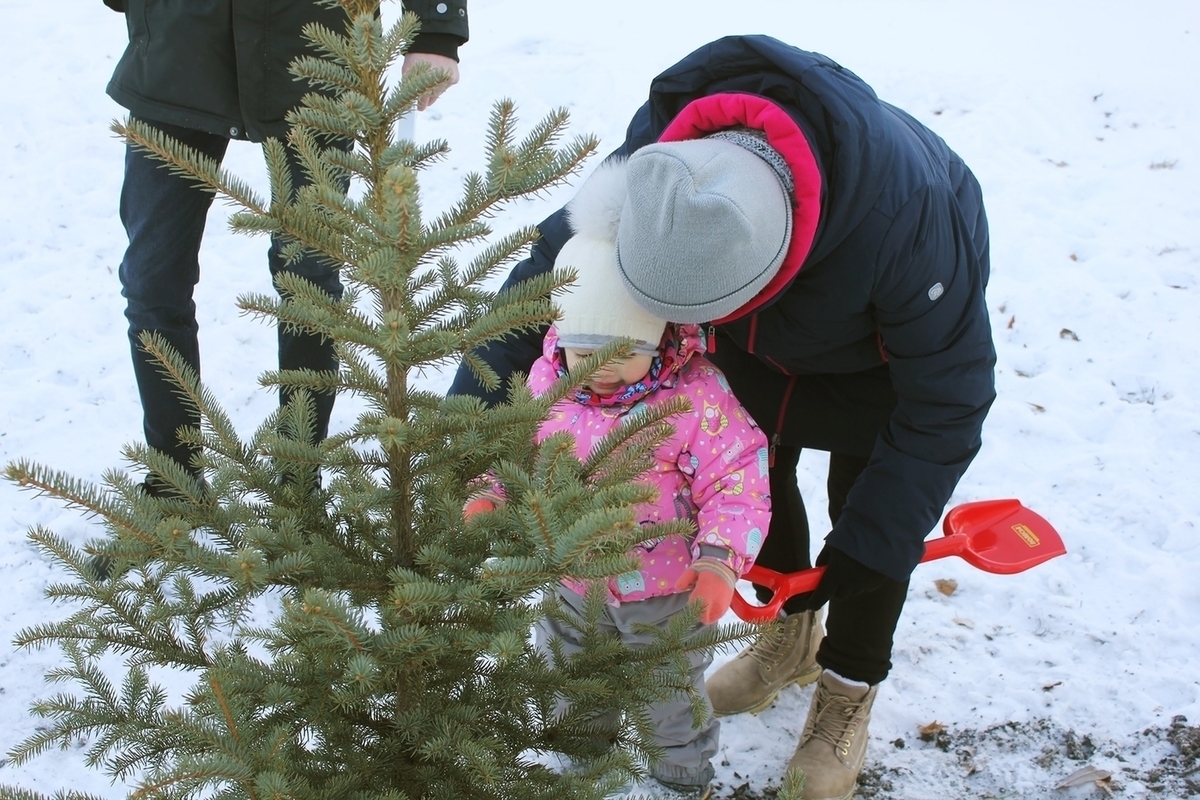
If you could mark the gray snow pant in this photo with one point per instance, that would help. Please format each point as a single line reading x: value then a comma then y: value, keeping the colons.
x: 687, y: 751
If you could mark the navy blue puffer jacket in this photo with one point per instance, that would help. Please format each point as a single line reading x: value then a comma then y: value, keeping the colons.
x: 891, y: 267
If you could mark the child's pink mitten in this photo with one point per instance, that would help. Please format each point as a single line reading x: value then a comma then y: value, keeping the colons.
x: 712, y: 583
x: 478, y: 506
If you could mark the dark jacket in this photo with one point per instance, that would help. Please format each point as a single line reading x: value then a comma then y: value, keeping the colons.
x: 221, y: 66
x: 894, y: 273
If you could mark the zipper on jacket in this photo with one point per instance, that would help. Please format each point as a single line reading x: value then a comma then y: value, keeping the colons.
x: 777, y: 436
x: 711, y: 344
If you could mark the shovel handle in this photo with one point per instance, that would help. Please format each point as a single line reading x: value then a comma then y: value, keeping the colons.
x: 785, y: 585
x: 999, y: 536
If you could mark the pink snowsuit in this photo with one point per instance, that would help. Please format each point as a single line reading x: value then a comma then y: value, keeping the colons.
x: 712, y: 470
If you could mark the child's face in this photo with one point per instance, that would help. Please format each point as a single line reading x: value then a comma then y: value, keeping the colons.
x: 613, y: 376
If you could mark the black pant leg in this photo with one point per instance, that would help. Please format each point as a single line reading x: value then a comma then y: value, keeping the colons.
x: 844, y: 470
x: 300, y: 349
x: 859, y: 630
x: 786, y: 548
x: 164, y: 215
x: 841, y: 414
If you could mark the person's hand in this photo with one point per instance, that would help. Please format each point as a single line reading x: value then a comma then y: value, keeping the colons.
x: 844, y: 577
x: 435, y: 61
x: 478, y: 506
x: 712, y: 584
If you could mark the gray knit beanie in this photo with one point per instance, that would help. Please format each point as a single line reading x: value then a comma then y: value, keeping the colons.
x: 705, y: 226
x: 598, y: 307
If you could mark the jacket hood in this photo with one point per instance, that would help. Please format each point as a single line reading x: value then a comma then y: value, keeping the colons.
x: 837, y: 114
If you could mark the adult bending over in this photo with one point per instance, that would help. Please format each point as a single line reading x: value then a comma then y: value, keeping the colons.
x: 838, y: 250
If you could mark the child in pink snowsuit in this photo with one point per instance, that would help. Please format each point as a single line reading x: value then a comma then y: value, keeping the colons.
x: 712, y: 470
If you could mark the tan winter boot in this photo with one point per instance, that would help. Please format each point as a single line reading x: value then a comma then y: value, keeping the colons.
x: 834, y: 743
x: 751, y: 681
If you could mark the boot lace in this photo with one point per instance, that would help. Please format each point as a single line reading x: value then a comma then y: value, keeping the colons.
x: 836, y: 720
x: 770, y: 649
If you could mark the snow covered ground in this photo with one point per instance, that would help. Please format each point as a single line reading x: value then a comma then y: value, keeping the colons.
x: 1080, y: 120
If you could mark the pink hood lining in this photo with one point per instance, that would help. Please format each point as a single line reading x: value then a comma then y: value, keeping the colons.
x: 724, y: 110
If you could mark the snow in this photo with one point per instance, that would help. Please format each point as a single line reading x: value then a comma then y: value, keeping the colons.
x: 1080, y: 121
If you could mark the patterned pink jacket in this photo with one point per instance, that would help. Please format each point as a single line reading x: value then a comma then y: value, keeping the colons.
x: 712, y: 470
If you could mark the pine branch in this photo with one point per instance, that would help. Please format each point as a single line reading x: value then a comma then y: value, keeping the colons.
x: 420, y: 80
x: 16, y: 793
x: 187, y: 386
x: 187, y: 162
x: 74, y: 494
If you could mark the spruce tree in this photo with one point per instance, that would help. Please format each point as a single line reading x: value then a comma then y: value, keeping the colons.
x: 341, y: 630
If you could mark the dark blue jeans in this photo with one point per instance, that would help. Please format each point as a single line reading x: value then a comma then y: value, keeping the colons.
x: 164, y: 217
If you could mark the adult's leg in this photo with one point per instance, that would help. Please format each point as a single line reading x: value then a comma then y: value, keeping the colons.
x: 843, y: 415
x: 751, y: 681
x: 298, y: 349
x: 786, y: 548
x: 859, y: 629
x: 844, y: 470
x: 856, y: 656
x: 164, y: 216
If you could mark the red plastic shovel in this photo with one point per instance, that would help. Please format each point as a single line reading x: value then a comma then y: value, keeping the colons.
x: 1000, y: 536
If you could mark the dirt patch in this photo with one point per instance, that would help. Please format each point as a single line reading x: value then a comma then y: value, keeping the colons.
x: 1176, y: 774
x: 1022, y: 760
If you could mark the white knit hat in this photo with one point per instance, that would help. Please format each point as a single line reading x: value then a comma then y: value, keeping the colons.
x: 705, y: 226
x: 598, y: 308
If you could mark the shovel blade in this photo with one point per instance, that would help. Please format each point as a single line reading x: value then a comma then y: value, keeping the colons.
x: 999, y: 536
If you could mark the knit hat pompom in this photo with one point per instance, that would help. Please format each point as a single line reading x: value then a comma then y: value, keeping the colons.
x: 598, y: 308
x: 595, y: 210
